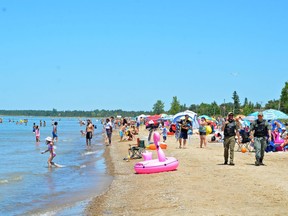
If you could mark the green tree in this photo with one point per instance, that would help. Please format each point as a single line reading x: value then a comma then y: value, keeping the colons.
x: 258, y: 106
x: 215, y: 109
x: 183, y: 107
x: 158, y: 107
x: 194, y: 108
x: 175, y: 106
x: 245, y: 102
x: 248, y: 108
x: 284, y: 99
x: 236, y: 103
x: 272, y: 104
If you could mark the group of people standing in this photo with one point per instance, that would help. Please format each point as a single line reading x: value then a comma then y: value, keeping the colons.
x: 36, y: 130
x: 260, y: 135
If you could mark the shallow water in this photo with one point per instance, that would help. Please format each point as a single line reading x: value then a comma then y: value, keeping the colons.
x: 29, y: 187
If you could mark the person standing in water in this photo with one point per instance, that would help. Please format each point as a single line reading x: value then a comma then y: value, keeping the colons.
x: 54, y: 132
x: 34, y: 127
x: 37, y: 133
x: 50, y: 144
x: 89, y: 132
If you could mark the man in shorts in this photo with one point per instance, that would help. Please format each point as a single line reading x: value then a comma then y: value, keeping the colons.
x: 185, y: 125
x: 54, y: 132
x: 89, y: 132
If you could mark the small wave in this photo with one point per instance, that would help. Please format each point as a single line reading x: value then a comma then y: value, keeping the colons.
x: 4, y: 181
x: 90, y: 152
x: 82, y: 166
x: 10, y: 180
x: 17, y: 178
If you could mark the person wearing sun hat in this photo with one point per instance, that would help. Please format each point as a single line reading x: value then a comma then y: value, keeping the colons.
x: 50, y: 145
x: 260, y: 130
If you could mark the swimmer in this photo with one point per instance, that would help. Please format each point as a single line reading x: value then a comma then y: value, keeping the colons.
x: 82, y: 133
x: 49, y: 142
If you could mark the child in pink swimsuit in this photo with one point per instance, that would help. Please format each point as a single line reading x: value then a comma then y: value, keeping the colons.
x: 50, y: 144
x: 37, y: 133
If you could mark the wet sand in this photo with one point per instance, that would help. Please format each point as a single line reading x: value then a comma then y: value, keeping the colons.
x: 201, y: 185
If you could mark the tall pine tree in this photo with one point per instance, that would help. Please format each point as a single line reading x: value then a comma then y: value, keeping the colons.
x: 236, y: 104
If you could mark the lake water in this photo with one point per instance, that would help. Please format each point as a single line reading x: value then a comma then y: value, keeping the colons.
x: 29, y: 187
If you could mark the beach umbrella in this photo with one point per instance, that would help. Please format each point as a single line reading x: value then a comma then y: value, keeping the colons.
x: 250, y: 118
x: 240, y: 116
x: 270, y: 114
x: 163, y: 115
x: 208, y: 118
x: 192, y: 117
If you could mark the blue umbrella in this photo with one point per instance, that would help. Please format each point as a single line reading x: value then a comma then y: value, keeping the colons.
x: 271, y: 114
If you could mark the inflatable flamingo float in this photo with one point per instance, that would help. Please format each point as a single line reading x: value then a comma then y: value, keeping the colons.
x: 162, y: 164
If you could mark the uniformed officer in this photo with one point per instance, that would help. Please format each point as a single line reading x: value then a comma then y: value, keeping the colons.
x: 230, y: 128
x: 259, y: 130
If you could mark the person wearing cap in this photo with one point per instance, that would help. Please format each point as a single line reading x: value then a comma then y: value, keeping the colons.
x: 259, y: 130
x: 185, y: 125
x: 230, y: 128
x: 50, y: 144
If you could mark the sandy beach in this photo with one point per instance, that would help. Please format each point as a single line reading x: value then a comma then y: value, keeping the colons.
x: 201, y: 185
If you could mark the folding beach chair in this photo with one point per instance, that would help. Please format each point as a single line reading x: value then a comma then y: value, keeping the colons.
x: 244, y: 142
x: 135, y: 152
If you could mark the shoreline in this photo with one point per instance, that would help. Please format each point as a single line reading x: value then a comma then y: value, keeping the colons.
x: 201, y: 185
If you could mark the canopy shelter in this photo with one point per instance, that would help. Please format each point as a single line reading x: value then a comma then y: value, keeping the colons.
x: 192, y: 117
x: 153, y: 118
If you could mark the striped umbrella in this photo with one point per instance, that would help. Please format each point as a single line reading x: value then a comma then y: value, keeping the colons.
x: 271, y: 114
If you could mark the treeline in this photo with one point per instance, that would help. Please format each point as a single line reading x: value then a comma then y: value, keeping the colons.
x: 214, y: 109
x: 211, y: 109
x: 76, y: 113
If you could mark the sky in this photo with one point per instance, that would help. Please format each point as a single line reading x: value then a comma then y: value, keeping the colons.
x: 95, y: 54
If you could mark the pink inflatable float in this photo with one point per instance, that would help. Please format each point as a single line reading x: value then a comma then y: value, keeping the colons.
x: 277, y: 138
x: 162, y: 164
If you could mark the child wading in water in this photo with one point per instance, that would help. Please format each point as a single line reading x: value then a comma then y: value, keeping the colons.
x: 37, y: 133
x: 51, y: 147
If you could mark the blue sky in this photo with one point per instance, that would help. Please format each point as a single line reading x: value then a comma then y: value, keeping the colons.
x: 89, y: 54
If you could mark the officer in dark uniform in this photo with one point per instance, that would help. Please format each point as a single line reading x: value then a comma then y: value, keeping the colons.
x: 259, y: 131
x: 230, y: 128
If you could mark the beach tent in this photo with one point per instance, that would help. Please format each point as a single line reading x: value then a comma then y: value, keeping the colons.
x: 270, y: 114
x: 192, y: 117
x: 168, y: 117
x: 153, y: 118
x: 141, y: 116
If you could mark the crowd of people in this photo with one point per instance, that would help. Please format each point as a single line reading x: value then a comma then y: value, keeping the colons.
x: 261, y: 135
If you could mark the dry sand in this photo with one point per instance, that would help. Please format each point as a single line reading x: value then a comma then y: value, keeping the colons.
x: 200, y: 186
